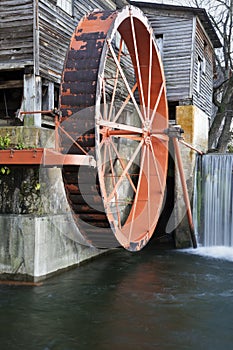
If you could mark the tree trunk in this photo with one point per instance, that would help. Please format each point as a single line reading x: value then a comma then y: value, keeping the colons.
x: 224, y: 111
x: 225, y: 136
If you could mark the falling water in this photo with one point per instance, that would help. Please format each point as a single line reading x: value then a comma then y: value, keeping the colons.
x: 213, y: 200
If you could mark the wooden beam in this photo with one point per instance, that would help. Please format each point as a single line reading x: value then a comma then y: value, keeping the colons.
x: 11, y: 84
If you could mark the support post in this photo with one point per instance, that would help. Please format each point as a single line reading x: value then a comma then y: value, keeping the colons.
x: 48, y: 97
x: 185, y: 191
x: 32, y: 99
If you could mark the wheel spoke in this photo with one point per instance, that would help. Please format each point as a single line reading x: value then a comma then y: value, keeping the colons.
x: 125, y: 103
x: 116, y: 80
x: 122, y: 165
x: 103, y: 165
x: 156, y: 167
x: 119, y: 126
x: 102, y: 170
x: 138, y: 64
x: 150, y: 74
x: 104, y: 98
x: 71, y: 138
x: 126, y: 169
x: 114, y: 184
x: 148, y: 184
x: 125, y: 81
x: 137, y: 192
x: 156, y: 104
x: 102, y: 142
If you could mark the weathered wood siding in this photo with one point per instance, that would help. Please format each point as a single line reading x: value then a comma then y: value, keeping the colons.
x: 185, y: 45
x: 55, y: 30
x: 16, y: 33
x: 202, y: 95
x: 37, y: 33
x: 177, y: 33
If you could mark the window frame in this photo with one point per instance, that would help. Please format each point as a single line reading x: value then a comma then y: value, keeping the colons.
x: 64, y: 4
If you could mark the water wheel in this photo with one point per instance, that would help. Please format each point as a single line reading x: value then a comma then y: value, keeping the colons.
x: 114, y: 107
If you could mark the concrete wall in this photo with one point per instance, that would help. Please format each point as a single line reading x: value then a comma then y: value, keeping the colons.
x: 22, y: 136
x: 38, y: 236
x: 195, y: 125
x: 34, y: 247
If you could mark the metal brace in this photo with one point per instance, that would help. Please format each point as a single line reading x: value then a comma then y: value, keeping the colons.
x: 174, y: 131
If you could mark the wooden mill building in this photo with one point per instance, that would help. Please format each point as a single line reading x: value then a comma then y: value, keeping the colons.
x: 34, y: 37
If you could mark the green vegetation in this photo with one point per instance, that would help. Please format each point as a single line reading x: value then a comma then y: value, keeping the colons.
x: 5, y: 141
x: 4, y: 170
x: 21, y: 145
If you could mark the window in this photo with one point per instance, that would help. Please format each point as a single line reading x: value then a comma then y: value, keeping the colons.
x: 199, y: 71
x: 159, y: 42
x: 203, y: 69
x: 66, y: 5
x: 205, y: 54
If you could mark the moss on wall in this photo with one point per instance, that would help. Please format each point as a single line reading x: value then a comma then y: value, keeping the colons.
x: 20, y: 191
x: 28, y: 136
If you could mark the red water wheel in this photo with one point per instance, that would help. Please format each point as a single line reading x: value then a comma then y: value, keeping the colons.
x: 114, y: 107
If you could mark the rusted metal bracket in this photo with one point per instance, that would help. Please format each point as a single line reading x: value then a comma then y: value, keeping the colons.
x: 56, y: 113
x: 46, y: 157
x: 52, y: 112
x: 176, y: 131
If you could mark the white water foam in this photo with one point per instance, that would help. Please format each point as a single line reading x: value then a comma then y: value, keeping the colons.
x: 215, y: 252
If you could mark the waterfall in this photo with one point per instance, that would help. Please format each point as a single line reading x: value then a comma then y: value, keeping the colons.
x: 213, y: 200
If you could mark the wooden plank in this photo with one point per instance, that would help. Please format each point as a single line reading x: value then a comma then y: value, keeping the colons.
x: 19, y: 64
x: 16, y: 33
x: 11, y: 3
x: 177, y: 41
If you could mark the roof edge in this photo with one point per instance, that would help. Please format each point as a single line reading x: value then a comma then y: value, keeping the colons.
x: 200, y: 12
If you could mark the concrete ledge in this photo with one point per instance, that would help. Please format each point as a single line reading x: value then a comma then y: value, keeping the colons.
x: 30, y: 136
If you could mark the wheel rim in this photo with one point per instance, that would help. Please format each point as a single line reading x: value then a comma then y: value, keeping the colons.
x: 129, y: 117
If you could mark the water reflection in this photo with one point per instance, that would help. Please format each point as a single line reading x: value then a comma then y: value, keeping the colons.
x: 155, y: 299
